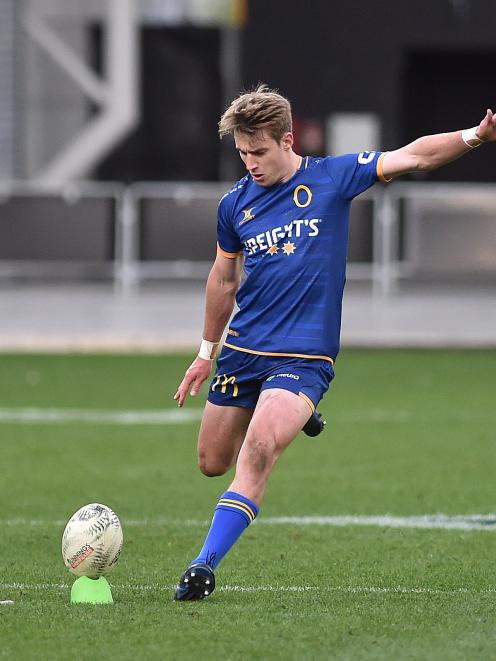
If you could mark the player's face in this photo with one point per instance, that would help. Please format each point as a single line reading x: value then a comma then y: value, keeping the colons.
x: 268, y: 161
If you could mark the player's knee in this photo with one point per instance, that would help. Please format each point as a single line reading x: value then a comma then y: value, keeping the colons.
x: 212, y: 466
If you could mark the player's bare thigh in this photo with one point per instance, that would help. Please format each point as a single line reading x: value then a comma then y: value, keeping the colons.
x: 222, y: 432
x: 278, y: 418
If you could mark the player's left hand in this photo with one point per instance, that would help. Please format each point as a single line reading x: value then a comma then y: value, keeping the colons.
x: 487, y: 128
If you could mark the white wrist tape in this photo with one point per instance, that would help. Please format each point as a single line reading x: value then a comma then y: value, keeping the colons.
x: 208, y: 350
x: 470, y: 138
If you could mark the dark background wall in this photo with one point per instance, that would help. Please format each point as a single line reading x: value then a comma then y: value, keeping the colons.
x: 180, y: 107
x: 424, y: 66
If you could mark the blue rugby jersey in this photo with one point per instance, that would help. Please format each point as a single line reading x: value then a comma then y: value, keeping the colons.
x: 294, y: 238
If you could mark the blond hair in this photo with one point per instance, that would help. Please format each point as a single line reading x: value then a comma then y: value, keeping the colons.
x: 261, y: 109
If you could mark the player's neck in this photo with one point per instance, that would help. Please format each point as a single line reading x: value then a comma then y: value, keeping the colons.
x: 294, y: 164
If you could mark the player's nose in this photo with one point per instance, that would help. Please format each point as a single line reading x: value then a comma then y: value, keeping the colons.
x: 251, y: 163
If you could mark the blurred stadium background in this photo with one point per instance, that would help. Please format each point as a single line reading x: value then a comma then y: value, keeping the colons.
x: 110, y: 172
x: 110, y: 165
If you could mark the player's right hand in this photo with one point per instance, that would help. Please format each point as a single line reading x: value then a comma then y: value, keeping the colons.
x: 196, y: 374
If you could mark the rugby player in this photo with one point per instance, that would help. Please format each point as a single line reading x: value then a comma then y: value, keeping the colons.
x: 286, y: 224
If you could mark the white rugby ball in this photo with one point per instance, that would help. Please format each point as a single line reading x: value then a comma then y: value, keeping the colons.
x: 92, y: 541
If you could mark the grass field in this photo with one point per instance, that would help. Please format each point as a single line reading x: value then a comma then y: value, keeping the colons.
x: 409, y: 433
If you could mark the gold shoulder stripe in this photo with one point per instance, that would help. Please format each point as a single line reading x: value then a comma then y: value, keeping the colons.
x: 230, y: 255
x: 284, y: 355
x: 380, y: 170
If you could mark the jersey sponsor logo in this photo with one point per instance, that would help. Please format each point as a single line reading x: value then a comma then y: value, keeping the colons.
x: 288, y: 248
x: 223, y: 380
x: 365, y: 157
x: 302, y: 196
x: 248, y: 215
x: 286, y: 375
x: 268, y: 241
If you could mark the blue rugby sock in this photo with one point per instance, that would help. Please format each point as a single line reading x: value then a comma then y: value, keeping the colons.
x: 232, y: 516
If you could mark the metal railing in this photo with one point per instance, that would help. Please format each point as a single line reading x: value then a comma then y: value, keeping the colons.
x: 454, y: 222
x: 164, y: 231
x: 29, y: 244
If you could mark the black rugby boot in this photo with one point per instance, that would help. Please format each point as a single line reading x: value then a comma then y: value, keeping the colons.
x: 197, y: 582
x: 314, y: 424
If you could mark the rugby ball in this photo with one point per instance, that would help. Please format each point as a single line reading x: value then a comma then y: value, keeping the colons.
x: 92, y: 541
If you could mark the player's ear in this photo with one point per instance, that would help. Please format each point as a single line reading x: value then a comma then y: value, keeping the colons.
x: 287, y: 141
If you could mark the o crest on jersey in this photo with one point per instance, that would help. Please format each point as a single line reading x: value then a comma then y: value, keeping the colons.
x: 302, y: 196
x: 248, y: 215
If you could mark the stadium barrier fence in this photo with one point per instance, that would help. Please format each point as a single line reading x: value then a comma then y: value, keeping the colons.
x: 154, y: 231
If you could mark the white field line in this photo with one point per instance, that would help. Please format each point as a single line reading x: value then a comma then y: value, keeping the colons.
x: 484, y: 522
x: 433, y: 521
x: 101, y: 417
x: 345, y: 589
x: 182, y: 416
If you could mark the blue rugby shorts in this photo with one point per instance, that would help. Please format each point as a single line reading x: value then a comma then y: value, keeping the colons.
x: 240, y: 377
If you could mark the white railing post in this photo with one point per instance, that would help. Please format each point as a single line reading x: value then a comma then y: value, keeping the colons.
x: 386, y: 220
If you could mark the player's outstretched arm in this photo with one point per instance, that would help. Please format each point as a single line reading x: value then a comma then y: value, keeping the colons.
x: 222, y: 285
x: 433, y: 151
